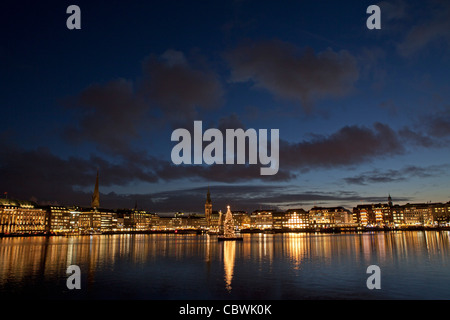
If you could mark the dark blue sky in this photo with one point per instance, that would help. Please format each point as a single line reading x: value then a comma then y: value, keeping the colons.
x: 362, y: 113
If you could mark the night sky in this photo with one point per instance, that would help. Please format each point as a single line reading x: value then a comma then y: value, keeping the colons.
x: 362, y: 113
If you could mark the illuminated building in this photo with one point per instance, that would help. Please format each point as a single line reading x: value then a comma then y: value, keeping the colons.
x: 59, y: 219
x: 241, y: 219
x: 279, y: 220
x: 108, y: 220
x: 398, y: 218
x: 143, y: 219
x: 21, y: 217
x: 125, y: 219
x: 441, y: 214
x: 74, y: 219
x: 291, y: 219
x: 261, y: 219
x: 90, y: 220
x: 361, y: 214
x: 195, y: 221
x: 416, y: 214
x: 296, y: 219
x: 323, y: 217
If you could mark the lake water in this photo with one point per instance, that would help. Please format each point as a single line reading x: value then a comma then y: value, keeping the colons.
x: 413, y: 265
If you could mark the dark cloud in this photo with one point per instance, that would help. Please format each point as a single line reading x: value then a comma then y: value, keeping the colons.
x: 41, y: 174
x: 291, y: 73
x: 406, y: 173
x: 348, y: 146
x: 179, y: 88
x: 171, y: 90
x: 432, y: 30
x: 393, y: 10
x: 110, y: 115
x: 230, y: 122
x: 218, y: 172
x: 250, y: 197
x: 419, y: 138
x: 438, y: 125
x: 430, y: 130
x: 47, y: 176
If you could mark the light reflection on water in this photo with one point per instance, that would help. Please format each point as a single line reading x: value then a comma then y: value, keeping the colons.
x: 414, y: 265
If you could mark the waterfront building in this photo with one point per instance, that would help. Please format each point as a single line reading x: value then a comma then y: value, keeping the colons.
x: 163, y: 223
x: 398, y: 217
x: 373, y: 215
x: 90, y: 220
x: 416, y: 214
x: 241, y: 219
x: 330, y: 215
x: 296, y: 219
x: 440, y: 214
x: 74, y: 219
x: 59, y: 219
x: 21, y: 217
x: 380, y: 214
x: 321, y: 217
x: 261, y: 219
x: 108, y: 220
x: 125, y: 219
x: 279, y: 219
x: 196, y: 221
x: 386, y: 213
x: 362, y: 213
x: 215, y: 222
x: 142, y: 220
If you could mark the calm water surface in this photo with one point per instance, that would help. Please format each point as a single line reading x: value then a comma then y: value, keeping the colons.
x: 414, y: 265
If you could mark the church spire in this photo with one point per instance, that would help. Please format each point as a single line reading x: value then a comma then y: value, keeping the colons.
x: 208, y: 209
x: 208, y: 196
x: 96, y: 196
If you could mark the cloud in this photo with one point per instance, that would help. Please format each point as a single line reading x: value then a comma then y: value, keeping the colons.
x: 387, y: 176
x: 170, y: 91
x: 235, y: 173
x: 45, y: 177
x: 350, y: 145
x: 291, y: 73
x: 417, y: 138
x: 393, y: 10
x: 48, y: 177
x: 435, y: 29
x: 41, y: 174
x: 438, y: 124
x: 110, y: 114
x: 178, y: 87
x: 429, y: 130
x: 249, y: 197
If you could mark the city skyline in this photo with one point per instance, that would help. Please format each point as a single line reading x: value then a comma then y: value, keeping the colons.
x: 361, y: 113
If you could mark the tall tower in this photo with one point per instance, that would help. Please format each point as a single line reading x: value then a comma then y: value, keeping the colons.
x: 96, y: 196
x: 208, y: 209
x: 390, y: 201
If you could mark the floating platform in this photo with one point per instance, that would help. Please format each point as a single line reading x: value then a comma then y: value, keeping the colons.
x: 234, y: 238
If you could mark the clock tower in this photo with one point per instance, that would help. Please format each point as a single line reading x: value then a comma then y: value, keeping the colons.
x: 208, y: 209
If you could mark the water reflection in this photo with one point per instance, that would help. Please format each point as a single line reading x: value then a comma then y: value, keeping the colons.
x: 173, y: 264
x: 229, y: 255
